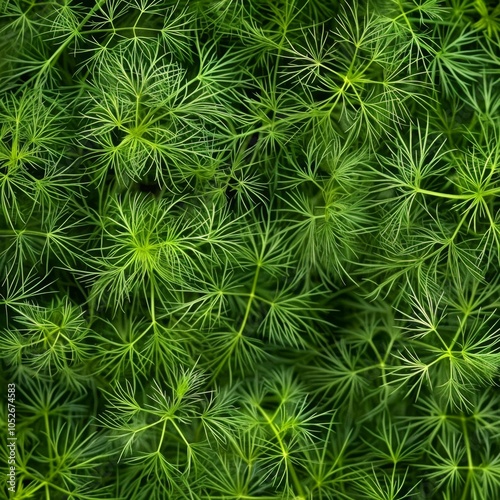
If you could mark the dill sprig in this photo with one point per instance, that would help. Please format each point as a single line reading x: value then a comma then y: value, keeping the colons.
x: 250, y: 249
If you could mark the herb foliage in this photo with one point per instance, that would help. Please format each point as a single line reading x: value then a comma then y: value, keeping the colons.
x: 249, y: 249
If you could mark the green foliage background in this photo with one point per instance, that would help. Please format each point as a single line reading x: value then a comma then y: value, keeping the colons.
x: 249, y: 249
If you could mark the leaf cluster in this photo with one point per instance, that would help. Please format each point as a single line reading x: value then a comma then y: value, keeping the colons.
x: 250, y: 249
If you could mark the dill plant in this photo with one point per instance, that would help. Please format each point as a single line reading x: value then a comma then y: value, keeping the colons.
x: 250, y: 248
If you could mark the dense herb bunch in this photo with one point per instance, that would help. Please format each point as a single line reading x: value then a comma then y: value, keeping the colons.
x: 250, y: 248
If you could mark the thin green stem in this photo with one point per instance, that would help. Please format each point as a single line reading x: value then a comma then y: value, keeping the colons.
x: 251, y: 298
x: 470, y: 462
x: 239, y: 334
x: 451, y: 196
x: 284, y: 452
x: 49, y: 442
x: 49, y: 63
